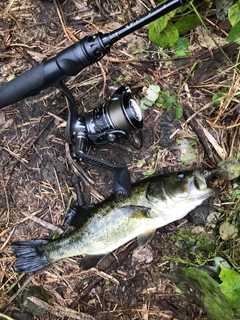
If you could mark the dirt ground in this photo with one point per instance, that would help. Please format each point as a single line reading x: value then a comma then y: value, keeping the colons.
x: 38, y: 182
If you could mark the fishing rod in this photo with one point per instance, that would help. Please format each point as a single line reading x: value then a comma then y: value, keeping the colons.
x: 70, y: 61
x: 112, y: 120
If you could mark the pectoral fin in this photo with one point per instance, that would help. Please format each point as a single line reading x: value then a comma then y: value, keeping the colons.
x: 145, y: 237
x: 137, y: 212
x: 91, y: 261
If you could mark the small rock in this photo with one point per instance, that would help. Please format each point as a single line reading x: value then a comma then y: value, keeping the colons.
x: 228, y: 231
x: 142, y: 255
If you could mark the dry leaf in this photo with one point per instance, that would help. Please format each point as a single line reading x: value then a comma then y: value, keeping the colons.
x: 207, y: 41
x: 220, y: 151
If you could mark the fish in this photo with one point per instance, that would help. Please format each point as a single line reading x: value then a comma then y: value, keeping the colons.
x: 100, y: 229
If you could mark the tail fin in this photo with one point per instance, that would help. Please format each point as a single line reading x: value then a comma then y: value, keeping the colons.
x: 30, y: 255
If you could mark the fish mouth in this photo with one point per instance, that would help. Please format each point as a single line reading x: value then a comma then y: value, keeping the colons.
x: 199, y: 181
x: 198, y: 185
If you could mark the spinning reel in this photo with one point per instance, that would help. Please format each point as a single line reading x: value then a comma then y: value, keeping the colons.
x: 107, y: 123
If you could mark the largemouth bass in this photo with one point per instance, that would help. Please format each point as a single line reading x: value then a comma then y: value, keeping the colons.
x: 104, y: 227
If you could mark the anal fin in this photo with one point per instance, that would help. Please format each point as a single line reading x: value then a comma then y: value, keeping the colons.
x: 91, y: 261
x: 145, y: 237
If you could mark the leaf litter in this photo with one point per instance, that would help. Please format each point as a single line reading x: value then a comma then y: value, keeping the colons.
x: 37, y: 180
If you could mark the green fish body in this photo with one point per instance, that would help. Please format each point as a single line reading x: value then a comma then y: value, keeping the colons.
x: 104, y: 227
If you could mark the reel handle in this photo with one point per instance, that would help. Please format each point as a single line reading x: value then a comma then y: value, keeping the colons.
x: 122, y: 183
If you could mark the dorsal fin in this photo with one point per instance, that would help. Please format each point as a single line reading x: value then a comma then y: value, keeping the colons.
x: 78, y: 215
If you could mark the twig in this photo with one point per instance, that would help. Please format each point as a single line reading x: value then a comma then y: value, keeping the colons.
x: 104, y: 79
x: 43, y: 223
x: 3, y: 316
x: 60, y: 311
x: 144, y: 5
x: 102, y: 11
x: 19, y: 158
x: 199, y: 131
x: 69, y: 35
x: 7, y: 202
x: 233, y: 141
x: 229, y: 98
x: 32, y: 214
x: 106, y: 276
x: 9, y: 6
x: 216, y: 26
x: 155, y: 80
x: 121, y: 256
x: 210, y: 35
x: 208, y: 105
x: 21, y: 288
x: 220, y: 151
x: 59, y: 188
x: 29, y: 144
x: 75, y: 181
x: 76, y: 168
x: 6, y: 242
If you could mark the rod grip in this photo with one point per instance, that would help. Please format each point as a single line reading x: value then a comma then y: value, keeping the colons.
x: 51, y: 72
x: 27, y: 84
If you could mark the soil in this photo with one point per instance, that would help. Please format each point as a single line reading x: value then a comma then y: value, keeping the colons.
x: 38, y: 181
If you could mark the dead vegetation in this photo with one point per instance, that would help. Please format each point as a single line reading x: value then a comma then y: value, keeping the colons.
x: 37, y: 179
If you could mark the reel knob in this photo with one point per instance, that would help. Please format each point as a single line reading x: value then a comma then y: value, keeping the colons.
x: 122, y: 183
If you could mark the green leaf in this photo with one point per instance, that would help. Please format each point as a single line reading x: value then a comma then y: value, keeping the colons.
x: 230, y: 287
x: 199, y: 287
x: 145, y: 103
x: 188, y: 149
x: 140, y: 163
x: 182, y: 43
x: 180, y: 53
x: 165, y: 99
x: 219, y: 94
x: 55, y: 235
x: 234, y: 14
x: 11, y: 77
x: 234, y: 34
x: 216, y: 97
x: 177, y: 110
x: 38, y: 292
x: 169, y: 36
x: 181, y: 46
x: 187, y: 23
x: 149, y: 172
x: 178, y: 290
x: 157, y: 26
x: 161, y: 34
x: 152, y: 92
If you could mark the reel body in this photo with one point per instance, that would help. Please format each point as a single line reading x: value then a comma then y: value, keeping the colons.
x: 110, y: 121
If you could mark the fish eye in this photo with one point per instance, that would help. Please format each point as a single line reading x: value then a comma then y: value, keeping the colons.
x: 181, y: 176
